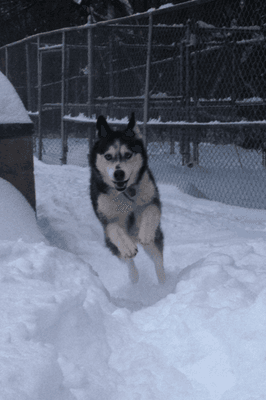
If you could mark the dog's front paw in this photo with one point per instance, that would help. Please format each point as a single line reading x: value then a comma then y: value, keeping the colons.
x: 127, y: 247
x: 145, y: 237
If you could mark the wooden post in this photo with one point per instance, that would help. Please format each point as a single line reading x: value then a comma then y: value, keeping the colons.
x: 39, y: 58
x: 147, y: 82
x: 63, y: 133
x: 28, y: 78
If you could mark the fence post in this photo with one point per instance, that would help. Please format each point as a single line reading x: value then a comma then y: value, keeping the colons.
x: 264, y: 158
x: 111, y: 77
x: 181, y: 77
x: 264, y: 149
x: 67, y: 61
x: 195, y: 65
x: 147, y: 81
x: 196, y: 134
x: 187, y: 69
x: 63, y: 133
x: 28, y: 77
x: 233, y: 95
x: 184, y: 147
x: 90, y: 84
x: 6, y: 61
x: 39, y: 59
x: 196, y: 141
x: 172, y: 141
x: 186, y: 154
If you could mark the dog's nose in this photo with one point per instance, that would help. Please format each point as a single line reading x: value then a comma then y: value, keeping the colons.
x: 119, y: 175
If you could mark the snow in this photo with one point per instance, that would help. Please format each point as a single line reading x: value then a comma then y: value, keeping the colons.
x: 157, y: 121
x: 12, y: 109
x: 47, y: 47
x: 204, y: 25
x: 166, y: 6
x: 17, y: 217
x: 83, y: 118
x: 73, y: 327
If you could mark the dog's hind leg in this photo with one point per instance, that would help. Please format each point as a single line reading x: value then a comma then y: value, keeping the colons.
x: 132, y: 270
x: 156, y: 255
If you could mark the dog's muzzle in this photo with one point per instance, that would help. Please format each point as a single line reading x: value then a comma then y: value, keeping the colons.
x: 121, y: 186
x: 120, y: 183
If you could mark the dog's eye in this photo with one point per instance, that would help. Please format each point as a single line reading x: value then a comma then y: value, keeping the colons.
x: 128, y: 156
x: 108, y: 157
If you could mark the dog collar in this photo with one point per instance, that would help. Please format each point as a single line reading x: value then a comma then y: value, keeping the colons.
x: 131, y: 191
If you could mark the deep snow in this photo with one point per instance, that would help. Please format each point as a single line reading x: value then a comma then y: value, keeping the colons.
x: 67, y: 333
x: 12, y: 109
x: 225, y: 173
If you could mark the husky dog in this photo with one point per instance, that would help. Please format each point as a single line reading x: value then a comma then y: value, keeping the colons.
x: 125, y: 197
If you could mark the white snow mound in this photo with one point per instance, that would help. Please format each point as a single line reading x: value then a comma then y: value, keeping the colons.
x: 17, y: 216
x: 12, y: 110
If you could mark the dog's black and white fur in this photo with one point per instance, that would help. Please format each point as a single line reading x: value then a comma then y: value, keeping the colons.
x: 125, y: 197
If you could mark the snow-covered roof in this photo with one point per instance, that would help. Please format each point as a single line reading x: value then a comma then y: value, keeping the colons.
x: 12, y: 110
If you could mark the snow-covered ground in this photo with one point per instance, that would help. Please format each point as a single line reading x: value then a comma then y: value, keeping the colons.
x: 225, y: 173
x: 73, y: 327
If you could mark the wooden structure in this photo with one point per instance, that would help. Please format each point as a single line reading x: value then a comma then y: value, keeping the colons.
x: 16, y: 147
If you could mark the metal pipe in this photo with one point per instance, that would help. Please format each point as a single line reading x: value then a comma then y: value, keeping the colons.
x: 28, y: 78
x: 39, y: 60
x: 187, y: 71
x: 147, y: 82
x: 6, y: 61
x: 63, y: 133
x: 90, y: 84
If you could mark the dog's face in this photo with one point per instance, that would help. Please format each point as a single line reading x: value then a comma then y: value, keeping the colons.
x: 119, y: 166
x: 120, y: 155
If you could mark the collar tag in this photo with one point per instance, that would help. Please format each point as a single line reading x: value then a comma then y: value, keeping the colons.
x: 131, y: 191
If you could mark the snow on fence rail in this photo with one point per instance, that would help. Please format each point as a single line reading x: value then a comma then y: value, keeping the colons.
x: 195, y: 81
x: 157, y: 122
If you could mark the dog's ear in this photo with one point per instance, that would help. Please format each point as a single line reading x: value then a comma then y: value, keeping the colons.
x: 129, y: 132
x: 133, y: 127
x: 131, y: 123
x: 136, y: 130
x: 102, y: 127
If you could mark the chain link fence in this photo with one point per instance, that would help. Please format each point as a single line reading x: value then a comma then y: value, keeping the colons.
x: 193, y: 73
